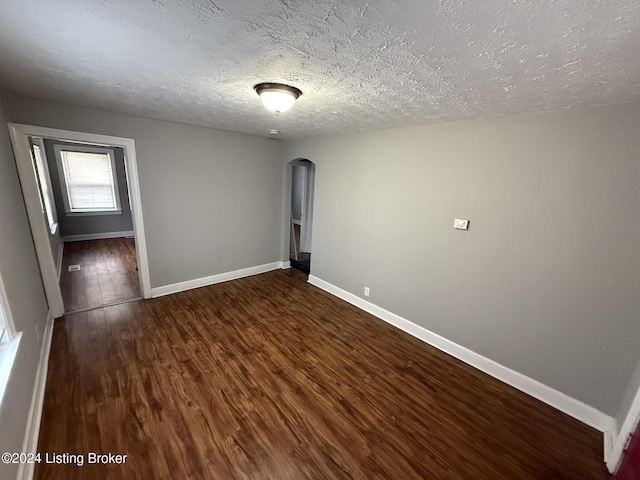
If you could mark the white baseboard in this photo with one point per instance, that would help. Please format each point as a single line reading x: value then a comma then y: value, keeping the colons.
x: 30, y: 443
x: 213, y: 279
x: 575, y: 408
x: 285, y: 265
x: 96, y: 236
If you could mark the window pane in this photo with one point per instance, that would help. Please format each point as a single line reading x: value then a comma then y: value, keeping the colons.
x: 89, y: 181
x: 4, y: 335
x: 43, y: 183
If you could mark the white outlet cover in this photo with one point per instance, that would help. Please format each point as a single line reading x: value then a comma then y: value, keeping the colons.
x: 461, y: 223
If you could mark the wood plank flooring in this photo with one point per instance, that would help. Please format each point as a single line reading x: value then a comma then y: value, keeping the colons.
x: 268, y: 377
x: 108, y: 273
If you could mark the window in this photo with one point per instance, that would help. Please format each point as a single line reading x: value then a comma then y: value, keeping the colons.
x: 6, y: 326
x: 88, y: 179
x: 4, y: 332
x: 43, y: 180
x: 9, y: 342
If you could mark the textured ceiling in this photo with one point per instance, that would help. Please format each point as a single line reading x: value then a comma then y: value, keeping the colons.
x: 361, y: 64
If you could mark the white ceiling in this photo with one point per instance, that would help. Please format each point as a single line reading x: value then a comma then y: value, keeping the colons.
x: 360, y: 64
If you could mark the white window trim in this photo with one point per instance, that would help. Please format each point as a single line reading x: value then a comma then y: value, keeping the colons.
x: 63, y: 183
x: 8, y: 350
x: 46, y: 177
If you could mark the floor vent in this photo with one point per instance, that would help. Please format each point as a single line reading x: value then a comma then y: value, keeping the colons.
x: 74, y: 268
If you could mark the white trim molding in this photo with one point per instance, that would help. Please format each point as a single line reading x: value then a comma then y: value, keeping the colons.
x: 285, y: 265
x: 40, y: 230
x: 575, y: 408
x: 96, y: 236
x: 213, y: 279
x: 30, y: 443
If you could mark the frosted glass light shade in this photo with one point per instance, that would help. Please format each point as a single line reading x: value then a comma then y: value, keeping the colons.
x: 276, y: 96
x: 277, y: 101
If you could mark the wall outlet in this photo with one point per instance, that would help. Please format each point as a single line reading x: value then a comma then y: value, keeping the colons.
x: 366, y: 291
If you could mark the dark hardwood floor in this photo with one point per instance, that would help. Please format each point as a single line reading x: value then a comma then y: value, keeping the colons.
x: 108, y: 273
x: 268, y: 377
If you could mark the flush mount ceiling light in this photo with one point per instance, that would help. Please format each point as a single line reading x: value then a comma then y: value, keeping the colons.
x: 277, y: 97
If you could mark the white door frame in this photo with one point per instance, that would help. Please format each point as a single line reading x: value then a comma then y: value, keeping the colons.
x: 306, y: 227
x: 19, y: 138
x: 302, y: 197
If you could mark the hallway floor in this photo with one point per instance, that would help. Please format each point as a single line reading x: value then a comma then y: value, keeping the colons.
x: 108, y: 273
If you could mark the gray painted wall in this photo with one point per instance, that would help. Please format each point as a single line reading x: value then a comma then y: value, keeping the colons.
x: 78, y: 225
x: 297, y: 187
x: 27, y: 302
x: 546, y: 279
x: 211, y: 199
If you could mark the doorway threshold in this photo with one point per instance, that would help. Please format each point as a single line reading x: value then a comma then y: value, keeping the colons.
x: 113, y: 304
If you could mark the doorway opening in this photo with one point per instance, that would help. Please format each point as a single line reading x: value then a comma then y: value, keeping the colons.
x: 301, y: 217
x: 96, y: 256
x: 83, y: 200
